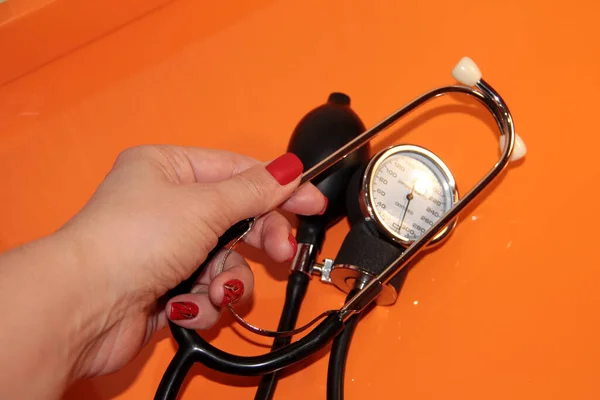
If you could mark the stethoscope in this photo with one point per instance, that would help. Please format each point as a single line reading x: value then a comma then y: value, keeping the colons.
x: 402, y: 201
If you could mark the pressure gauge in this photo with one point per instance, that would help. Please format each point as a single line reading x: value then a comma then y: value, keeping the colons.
x: 406, y: 189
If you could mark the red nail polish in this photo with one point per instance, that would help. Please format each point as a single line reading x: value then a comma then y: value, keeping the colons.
x: 285, y: 168
x: 232, y: 291
x: 324, y: 207
x: 183, y: 310
x: 294, y: 244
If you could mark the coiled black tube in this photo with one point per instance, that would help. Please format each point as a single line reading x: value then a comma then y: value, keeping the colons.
x: 339, y: 355
x: 320, y: 132
x: 295, y: 292
x: 273, y: 361
x: 195, y: 349
x: 175, y: 374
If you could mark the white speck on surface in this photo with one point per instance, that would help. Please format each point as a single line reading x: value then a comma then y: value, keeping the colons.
x: 474, y: 218
x: 509, y: 244
x: 352, y: 379
x: 416, y: 302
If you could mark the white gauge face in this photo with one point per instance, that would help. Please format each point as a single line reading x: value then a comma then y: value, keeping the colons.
x: 409, y: 192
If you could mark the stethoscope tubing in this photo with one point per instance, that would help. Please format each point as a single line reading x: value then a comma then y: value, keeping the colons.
x: 192, y: 348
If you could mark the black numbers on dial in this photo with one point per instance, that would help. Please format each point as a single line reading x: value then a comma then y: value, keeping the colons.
x: 399, y: 166
x: 408, y: 195
x: 408, y: 230
x: 435, y: 201
x: 433, y: 212
x: 427, y: 220
x: 419, y: 228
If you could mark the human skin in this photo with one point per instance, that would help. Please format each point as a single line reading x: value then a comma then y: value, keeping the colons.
x: 84, y: 300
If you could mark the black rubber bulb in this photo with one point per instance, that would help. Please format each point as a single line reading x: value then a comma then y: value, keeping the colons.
x: 320, y: 133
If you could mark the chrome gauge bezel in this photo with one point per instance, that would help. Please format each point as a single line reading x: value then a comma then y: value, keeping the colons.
x: 366, y: 202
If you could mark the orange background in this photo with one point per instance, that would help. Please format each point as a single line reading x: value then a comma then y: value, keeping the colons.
x: 507, y: 308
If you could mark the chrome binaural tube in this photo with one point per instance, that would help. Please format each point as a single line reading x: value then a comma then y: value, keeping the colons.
x: 494, y: 103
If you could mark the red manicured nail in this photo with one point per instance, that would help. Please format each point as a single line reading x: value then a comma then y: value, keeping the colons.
x: 324, y: 207
x: 232, y: 291
x: 285, y: 168
x: 294, y: 244
x: 183, y: 310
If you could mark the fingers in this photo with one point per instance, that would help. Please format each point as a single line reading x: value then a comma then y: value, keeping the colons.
x: 255, y: 191
x: 273, y: 233
x: 307, y: 200
x: 193, y: 311
x: 233, y: 286
x: 202, y: 308
x: 187, y: 165
x: 261, y: 188
x: 211, y: 166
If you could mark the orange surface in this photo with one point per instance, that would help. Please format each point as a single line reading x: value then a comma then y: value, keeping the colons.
x: 507, y: 308
x: 36, y: 32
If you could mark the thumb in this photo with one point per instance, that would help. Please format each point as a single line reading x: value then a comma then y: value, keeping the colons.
x: 258, y: 189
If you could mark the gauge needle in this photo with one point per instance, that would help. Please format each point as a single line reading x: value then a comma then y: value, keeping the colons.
x: 409, y: 197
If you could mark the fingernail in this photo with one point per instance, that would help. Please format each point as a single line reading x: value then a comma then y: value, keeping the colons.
x: 232, y: 291
x: 285, y: 168
x: 183, y: 310
x: 294, y: 244
x: 324, y: 207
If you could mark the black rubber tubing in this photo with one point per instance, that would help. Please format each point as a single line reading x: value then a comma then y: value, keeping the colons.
x: 295, y: 292
x: 339, y: 355
x: 203, y: 352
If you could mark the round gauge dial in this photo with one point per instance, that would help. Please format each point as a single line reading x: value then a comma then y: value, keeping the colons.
x: 408, y: 189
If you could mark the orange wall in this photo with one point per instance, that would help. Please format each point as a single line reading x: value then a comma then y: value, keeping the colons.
x: 35, y: 32
x: 506, y: 309
x: 14, y: 9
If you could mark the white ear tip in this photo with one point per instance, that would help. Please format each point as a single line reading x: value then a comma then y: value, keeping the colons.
x: 519, y: 149
x: 466, y: 72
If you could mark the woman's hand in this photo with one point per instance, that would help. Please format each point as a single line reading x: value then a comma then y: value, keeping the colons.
x: 153, y: 221
x: 148, y: 227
